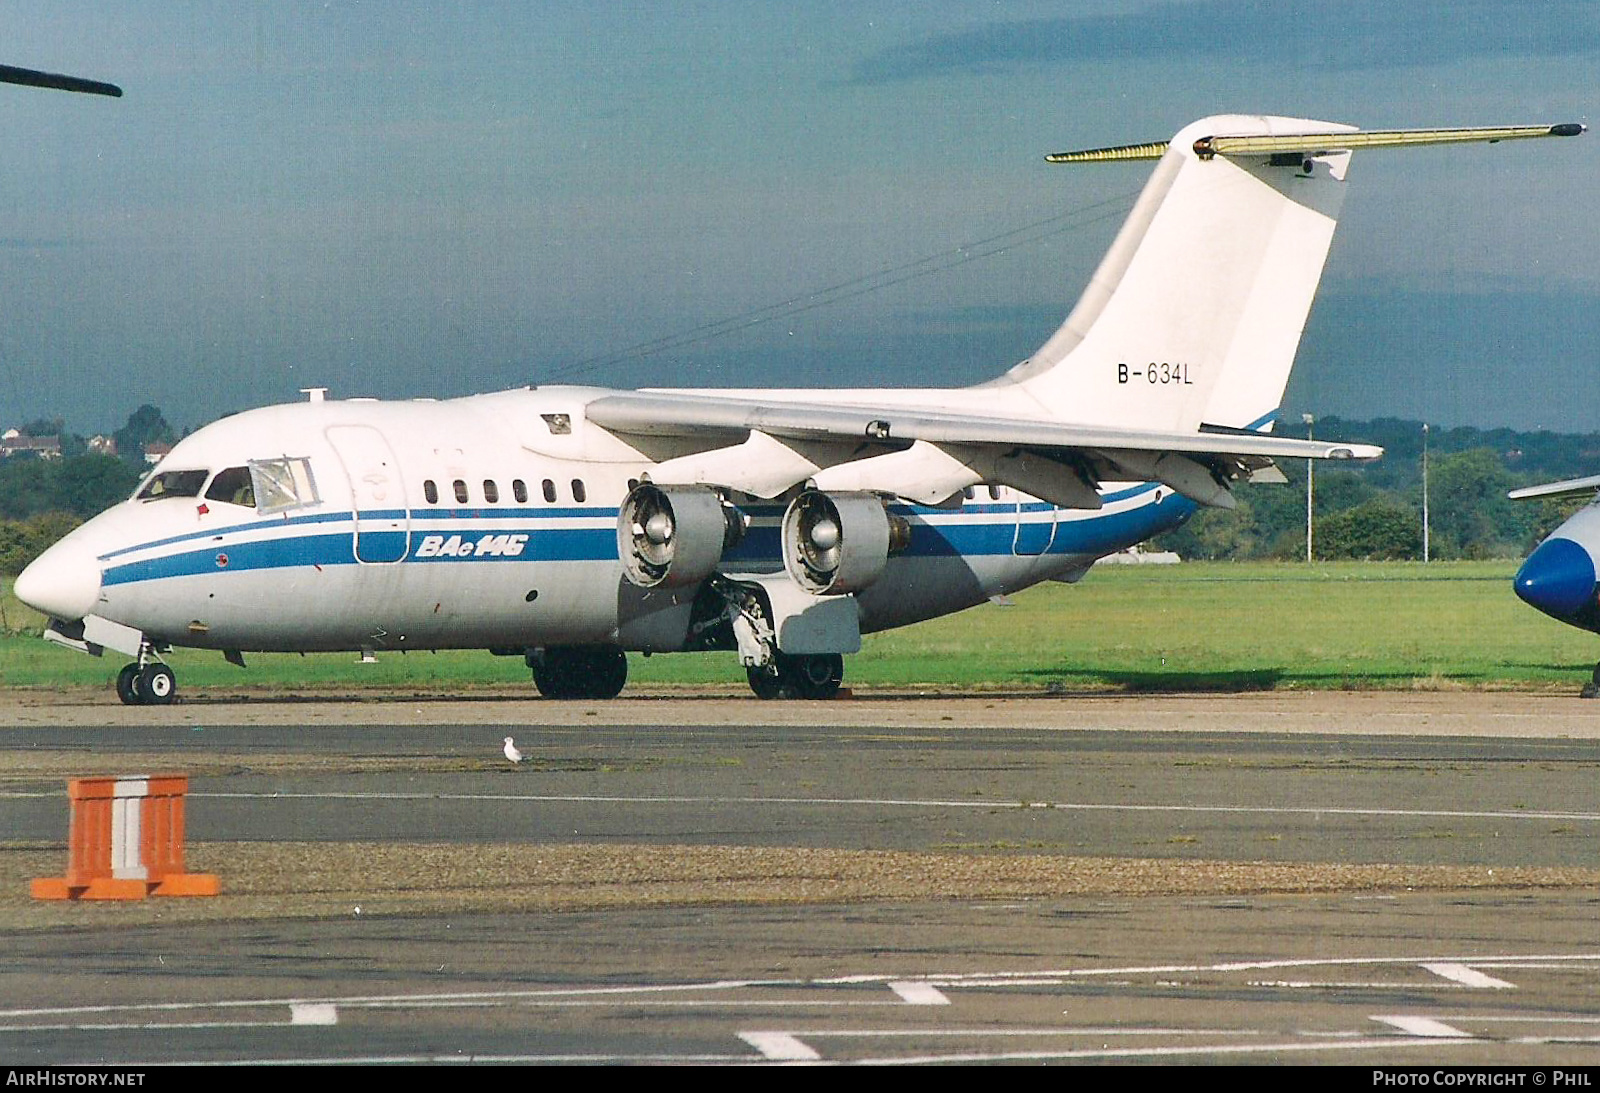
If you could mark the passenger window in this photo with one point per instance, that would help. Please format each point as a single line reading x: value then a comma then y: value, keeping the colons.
x: 549, y: 491
x: 234, y: 487
x: 283, y: 483
x: 430, y: 491
x: 491, y: 492
x: 579, y: 494
x: 461, y: 490
x: 519, y: 490
x: 173, y: 484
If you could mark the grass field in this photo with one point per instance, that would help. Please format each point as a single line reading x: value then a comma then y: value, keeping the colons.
x: 1195, y: 626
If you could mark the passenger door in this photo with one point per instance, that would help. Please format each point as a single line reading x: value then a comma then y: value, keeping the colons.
x: 377, y: 493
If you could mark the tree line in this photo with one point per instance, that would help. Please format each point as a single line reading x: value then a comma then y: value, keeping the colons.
x: 1375, y: 511
x: 43, y: 499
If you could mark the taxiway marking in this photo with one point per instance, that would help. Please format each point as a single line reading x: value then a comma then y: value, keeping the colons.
x: 677, y: 993
x: 919, y: 994
x: 780, y: 1045
x: 1468, y: 976
x: 1423, y: 1026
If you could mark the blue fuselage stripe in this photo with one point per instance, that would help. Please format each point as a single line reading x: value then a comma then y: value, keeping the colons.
x: 468, y: 531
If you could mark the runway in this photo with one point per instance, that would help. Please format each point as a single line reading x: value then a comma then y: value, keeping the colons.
x: 1338, y: 878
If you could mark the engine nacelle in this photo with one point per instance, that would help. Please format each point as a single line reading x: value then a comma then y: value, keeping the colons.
x: 840, y: 542
x: 671, y: 536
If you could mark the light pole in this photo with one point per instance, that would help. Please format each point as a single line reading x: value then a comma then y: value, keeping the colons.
x: 1424, y: 493
x: 1310, y: 484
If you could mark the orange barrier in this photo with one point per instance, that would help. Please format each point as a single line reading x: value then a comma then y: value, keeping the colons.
x: 126, y: 842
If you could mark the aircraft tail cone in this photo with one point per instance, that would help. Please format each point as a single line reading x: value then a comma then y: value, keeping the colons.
x: 1559, y: 579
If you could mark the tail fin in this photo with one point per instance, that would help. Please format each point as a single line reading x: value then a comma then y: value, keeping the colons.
x: 1194, y: 315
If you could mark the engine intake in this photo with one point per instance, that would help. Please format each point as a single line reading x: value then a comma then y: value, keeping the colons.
x: 840, y: 542
x: 671, y: 536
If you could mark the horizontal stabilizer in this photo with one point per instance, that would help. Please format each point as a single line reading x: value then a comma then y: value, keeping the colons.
x: 1223, y: 144
x: 1567, y: 488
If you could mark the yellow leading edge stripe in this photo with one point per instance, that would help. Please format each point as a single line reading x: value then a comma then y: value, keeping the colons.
x: 1206, y: 147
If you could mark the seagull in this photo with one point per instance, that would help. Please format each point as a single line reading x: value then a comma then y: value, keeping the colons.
x: 511, y: 751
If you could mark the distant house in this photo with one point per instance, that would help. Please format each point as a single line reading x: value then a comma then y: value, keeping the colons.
x: 102, y: 445
x: 156, y: 451
x: 15, y: 442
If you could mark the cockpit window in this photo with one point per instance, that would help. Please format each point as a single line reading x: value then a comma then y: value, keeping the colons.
x: 233, y: 486
x: 172, y: 484
x: 283, y: 484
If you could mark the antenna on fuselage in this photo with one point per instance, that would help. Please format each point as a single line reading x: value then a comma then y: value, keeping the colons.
x: 314, y: 394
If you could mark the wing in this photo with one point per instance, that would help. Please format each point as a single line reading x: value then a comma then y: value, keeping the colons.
x: 1567, y: 488
x: 764, y: 447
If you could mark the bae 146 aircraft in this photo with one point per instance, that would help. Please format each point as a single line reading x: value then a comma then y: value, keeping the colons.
x: 1559, y: 577
x: 569, y: 525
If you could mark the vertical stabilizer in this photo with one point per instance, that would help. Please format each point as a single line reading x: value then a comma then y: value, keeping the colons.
x: 1194, y: 316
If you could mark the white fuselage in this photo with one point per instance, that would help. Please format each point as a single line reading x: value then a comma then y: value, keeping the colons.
x: 476, y: 523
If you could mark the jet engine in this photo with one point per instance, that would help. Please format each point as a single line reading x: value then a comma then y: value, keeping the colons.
x: 671, y: 536
x: 840, y: 542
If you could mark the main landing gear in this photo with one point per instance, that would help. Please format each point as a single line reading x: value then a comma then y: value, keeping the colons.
x: 149, y: 684
x: 809, y: 677
x: 1592, y: 688
x: 579, y: 671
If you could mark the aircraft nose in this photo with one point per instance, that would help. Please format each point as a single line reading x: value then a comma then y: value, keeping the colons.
x: 63, y: 582
x: 1558, y: 578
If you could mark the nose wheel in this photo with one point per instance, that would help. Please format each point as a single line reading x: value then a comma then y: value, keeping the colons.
x: 153, y: 684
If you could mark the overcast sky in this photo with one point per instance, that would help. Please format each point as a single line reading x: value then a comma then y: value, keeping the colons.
x: 400, y: 199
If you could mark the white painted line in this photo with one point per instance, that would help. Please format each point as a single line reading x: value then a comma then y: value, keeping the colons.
x: 919, y: 994
x: 1423, y: 1026
x: 391, y: 1060
x: 1547, y: 963
x: 144, y: 1026
x: 1469, y: 977
x: 780, y: 1045
x: 900, y: 802
x: 670, y: 993
x: 313, y: 1013
x: 1156, y: 1052
x: 1345, y: 985
x: 968, y: 1033
x: 1037, y: 981
x: 1555, y: 1040
x: 1526, y: 1019
x: 960, y: 979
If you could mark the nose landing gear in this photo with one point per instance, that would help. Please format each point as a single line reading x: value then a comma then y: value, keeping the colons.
x: 147, y: 682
